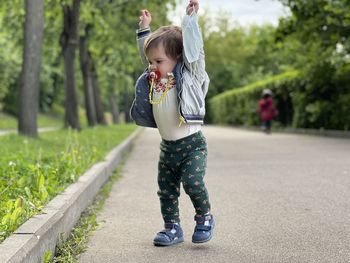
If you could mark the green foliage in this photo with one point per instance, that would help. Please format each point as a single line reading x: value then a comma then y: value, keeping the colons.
x: 110, y: 27
x: 34, y: 171
x: 323, y: 21
x: 11, y: 36
x: 314, y: 40
x: 111, y: 43
x: 323, y: 28
x: 47, y: 256
x: 237, y: 55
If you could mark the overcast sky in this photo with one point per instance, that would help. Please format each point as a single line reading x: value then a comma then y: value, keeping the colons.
x: 245, y: 12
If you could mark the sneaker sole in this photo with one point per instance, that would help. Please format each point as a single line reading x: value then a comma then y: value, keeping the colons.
x: 202, y: 241
x: 165, y: 244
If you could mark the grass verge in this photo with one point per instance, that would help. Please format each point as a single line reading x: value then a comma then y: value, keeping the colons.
x: 76, y: 243
x: 33, y: 171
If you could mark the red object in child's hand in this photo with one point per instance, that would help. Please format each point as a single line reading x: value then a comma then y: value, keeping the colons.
x: 154, y: 75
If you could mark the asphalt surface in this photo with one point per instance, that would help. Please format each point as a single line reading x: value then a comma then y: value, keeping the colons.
x: 276, y: 198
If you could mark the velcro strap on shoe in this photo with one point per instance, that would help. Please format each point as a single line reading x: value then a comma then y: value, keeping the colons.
x: 202, y: 228
x: 170, y: 225
x: 167, y: 233
x: 202, y: 219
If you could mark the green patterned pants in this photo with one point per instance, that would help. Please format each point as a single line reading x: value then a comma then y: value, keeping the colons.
x: 185, y: 161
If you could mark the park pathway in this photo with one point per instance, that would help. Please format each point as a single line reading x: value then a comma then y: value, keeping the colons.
x: 10, y: 131
x: 276, y: 198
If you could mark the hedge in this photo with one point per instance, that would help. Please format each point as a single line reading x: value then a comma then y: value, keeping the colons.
x: 301, y: 103
x: 239, y: 106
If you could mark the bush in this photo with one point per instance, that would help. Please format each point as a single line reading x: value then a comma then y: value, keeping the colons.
x: 315, y: 101
x: 239, y: 106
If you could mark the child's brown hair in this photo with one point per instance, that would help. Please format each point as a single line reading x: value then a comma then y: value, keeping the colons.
x: 170, y: 37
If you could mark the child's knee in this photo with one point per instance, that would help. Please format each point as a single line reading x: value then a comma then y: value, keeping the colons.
x: 169, y: 194
x: 194, y: 187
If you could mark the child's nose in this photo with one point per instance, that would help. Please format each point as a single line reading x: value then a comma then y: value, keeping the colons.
x: 152, y: 68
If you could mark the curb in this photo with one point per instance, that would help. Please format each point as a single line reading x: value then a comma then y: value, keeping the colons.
x: 41, y: 233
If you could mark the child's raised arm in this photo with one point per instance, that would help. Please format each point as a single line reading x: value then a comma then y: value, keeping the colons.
x: 193, y: 52
x: 145, y: 19
x: 142, y: 33
x: 193, y: 5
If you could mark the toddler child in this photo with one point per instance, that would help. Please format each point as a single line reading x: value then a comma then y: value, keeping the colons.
x: 169, y: 96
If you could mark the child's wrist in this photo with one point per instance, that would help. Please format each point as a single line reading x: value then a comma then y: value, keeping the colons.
x: 141, y: 30
x: 144, y: 26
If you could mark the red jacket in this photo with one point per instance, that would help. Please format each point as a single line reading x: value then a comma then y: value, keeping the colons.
x: 267, y: 109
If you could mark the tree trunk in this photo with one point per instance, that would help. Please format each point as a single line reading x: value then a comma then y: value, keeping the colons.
x: 126, y: 107
x: 69, y: 42
x: 98, y: 102
x: 85, y: 65
x: 30, y: 75
x: 114, y: 107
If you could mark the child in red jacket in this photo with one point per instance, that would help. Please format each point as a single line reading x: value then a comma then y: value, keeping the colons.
x: 266, y: 110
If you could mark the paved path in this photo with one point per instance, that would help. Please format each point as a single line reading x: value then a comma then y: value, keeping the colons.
x: 9, y: 131
x: 277, y: 198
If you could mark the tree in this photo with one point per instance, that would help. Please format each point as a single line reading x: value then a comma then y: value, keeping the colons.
x: 69, y: 43
x: 97, y: 96
x: 323, y: 28
x: 237, y: 56
x: 86, y: 69
x: 93, y: 103
x: 30, y: 76
x: 111, y: 46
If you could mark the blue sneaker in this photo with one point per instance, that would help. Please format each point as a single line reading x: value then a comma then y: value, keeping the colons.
x: 171, y: 235
x: 203, y: 231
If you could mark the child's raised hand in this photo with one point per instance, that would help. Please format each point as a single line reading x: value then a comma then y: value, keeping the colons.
x: 192, y: 5
x: 145, y: 18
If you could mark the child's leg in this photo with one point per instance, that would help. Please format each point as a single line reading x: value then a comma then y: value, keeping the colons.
x: 169, y: 191
x: 268, y: 126
x: 193, y: 170
x: 169, y: 185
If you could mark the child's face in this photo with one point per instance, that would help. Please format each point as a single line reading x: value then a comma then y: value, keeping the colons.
x: 158, y: 60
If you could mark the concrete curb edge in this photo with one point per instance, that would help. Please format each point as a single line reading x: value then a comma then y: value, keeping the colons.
x: 41, y: 233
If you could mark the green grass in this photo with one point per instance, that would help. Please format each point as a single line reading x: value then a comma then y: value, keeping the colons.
x: 44, y: 120
x: 33, y: 171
